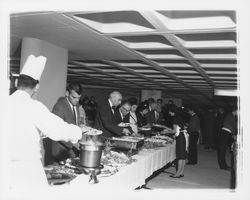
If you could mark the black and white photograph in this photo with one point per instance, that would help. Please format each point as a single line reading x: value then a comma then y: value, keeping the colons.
x: 131, y: 101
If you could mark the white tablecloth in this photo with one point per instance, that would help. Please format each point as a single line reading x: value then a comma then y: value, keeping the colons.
x: 135, y: 174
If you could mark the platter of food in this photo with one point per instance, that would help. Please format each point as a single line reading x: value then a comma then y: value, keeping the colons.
x: 144, y: 128
x: 122, y: 124
x: 116, y: 159
x: 138, y: 138
x: 163, y: 137
x: 159, y: 126
x: 153, y: 143
x: 59, y: 174
x: 128, y: 143
x: 108, y: 171
x: 93, y: 131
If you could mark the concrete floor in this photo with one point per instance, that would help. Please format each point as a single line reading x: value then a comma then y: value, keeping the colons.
x: 205, y: 175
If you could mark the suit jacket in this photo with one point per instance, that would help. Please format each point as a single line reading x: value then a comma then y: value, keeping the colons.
x: 125, y: 120
x: 194, y: 124
x: 118, y: 116
x: 141, y: 120
x: 151, y: 118
x: 105, y: 121
x: 63, y: 109
x: 62, y: 150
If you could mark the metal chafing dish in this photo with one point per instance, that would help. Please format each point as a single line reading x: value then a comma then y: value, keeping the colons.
x: 127, y: 143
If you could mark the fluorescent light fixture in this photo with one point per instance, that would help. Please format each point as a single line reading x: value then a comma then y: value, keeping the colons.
x: 194, y: 23
x: 221, y: 92
x: 117, y: 27
x: 95, y: 64
x: 173, y: 64
x: 163, y: 56
x: 215, y: 56
x: 207, y: 43
x: 145, y: 45
x: 183, y: 72
x: 146, y: 71
x: 132, y: 64
x: 208, y: 65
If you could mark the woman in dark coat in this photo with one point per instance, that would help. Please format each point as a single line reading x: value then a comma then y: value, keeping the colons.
x: 178, y: 130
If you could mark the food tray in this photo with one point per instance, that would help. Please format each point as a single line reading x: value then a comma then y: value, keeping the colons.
x: 127, y: 143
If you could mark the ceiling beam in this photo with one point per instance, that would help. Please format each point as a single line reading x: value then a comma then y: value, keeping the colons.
x: 151, y: 17
x: 131, y: 71
x: 162, y: 32
x: 100, y: 81
x: 110, y: 74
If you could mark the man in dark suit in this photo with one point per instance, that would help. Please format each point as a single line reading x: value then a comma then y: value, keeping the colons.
x: 226, y: 137
x: 193, y: 131
x: 67, y: 108
x: 105, y: 117
x: 122, y: 113
x: 154, y: 116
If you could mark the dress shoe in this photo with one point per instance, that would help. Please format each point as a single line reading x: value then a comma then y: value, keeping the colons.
x: 180, y: 176
x: 143, y: 187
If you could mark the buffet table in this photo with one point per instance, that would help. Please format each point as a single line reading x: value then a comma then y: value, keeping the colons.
x: 133, y: 175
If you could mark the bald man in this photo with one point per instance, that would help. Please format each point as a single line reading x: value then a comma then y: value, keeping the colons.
x: 105, y: 117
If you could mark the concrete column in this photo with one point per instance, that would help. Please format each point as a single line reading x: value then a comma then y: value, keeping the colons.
x: 54, y: 77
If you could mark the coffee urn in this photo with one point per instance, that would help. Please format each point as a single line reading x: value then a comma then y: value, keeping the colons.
x: 91, y: 148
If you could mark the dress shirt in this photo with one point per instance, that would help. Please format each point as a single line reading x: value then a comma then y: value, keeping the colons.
x: 111, y: 106
x: 156, y: 116
x: 133, y: 118
x: 73, y: 108
x: 121, y: 115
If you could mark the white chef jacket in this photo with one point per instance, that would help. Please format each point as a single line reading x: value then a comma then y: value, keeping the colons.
x: 28, y: 121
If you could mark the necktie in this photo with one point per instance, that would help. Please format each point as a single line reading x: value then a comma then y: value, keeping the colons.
x: 156, y: 116
x: 74, y: 113
x: 113, y: 109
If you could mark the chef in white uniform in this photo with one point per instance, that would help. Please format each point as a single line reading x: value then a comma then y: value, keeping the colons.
x: 29, y: 121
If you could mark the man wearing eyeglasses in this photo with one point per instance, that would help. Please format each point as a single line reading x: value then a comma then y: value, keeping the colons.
x: 106, y: 117
x: 122, y: 112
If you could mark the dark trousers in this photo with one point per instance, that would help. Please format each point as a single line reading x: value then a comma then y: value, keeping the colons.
x: 224, y: 142
x: 192, y: 148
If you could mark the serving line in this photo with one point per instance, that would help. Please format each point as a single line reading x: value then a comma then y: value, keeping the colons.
x: 133, y: 175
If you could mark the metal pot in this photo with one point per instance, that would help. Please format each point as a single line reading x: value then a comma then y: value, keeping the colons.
x: 90, y: 155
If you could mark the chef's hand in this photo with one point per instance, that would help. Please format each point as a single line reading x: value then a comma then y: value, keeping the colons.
x: 122, y: 124
x: 85, y: 128
x: 126, y: 131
